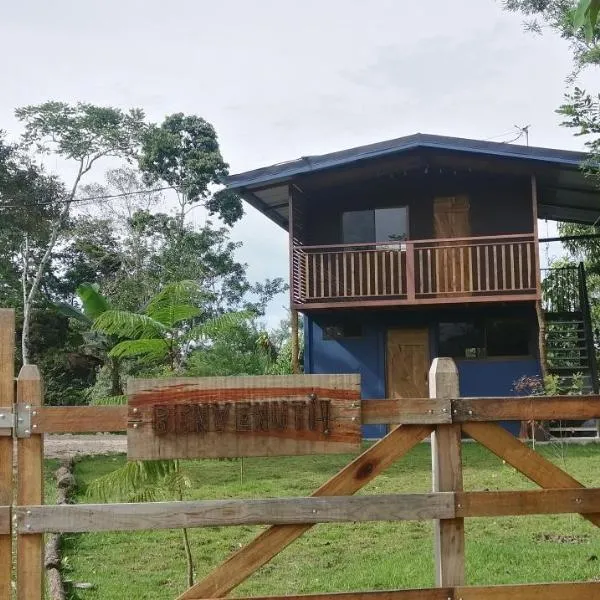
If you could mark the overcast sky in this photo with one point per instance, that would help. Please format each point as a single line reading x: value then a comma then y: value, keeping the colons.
x: 284, y: 78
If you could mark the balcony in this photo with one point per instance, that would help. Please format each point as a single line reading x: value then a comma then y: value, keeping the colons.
x: 416, y: 272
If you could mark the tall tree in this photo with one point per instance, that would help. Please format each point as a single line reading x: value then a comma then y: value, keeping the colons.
x: 81, y: 133
x: 183, y: 152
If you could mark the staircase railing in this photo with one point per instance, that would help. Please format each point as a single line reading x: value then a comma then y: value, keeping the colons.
x: 561, y: 290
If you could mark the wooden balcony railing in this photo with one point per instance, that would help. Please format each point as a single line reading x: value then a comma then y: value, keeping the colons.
x: 416, y: 271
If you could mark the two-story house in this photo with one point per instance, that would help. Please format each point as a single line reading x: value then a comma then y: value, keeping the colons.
x: 428, y: 246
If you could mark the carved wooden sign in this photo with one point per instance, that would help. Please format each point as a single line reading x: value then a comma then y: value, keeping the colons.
x: 223, y: 417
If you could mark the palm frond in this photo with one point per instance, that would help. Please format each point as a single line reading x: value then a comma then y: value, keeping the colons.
x: 73, y: 313
x: 133, y: 478
x: 149, y: 349
x: 175, y: 302
x: 218, y: 325
x: 109, y: 401
x: 129, y: 325
x: 175, y: 314
x: 94, y: 303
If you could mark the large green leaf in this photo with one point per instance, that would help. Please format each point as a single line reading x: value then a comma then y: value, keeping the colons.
x: 130, y: 325
x: 149, y: 349
x: 73, y: 313
x: 94, y: 303
x: 217, y: 326
x: 175, y: 303
x: 586, y: 16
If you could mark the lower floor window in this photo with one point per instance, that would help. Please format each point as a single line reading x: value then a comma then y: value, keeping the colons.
x: 485, y: 338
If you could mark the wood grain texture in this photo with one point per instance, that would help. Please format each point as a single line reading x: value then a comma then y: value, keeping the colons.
x: 422, y: 594
x: 5, y: 520
x: 446, y: 454
x: 407, y: 363
x: 531, y: 502
x: 7, y: 377
x: 548, y: 591
x: 539, y: 408
x: 341, y: 394
x: 521, y: 457
x: 271, y: 511
x: 239, y: 566
x: 406, y: 411
x: 30, y: 454
x: 79, y: 419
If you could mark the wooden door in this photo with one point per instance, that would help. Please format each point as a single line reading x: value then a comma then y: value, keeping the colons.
x: 407, y: 367
x: 453, y: 260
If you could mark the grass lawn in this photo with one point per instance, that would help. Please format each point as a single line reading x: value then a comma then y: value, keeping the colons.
x: 342, y: 557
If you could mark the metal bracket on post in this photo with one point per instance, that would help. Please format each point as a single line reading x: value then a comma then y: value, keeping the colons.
x: 7, y: 421
x: 23, y: 420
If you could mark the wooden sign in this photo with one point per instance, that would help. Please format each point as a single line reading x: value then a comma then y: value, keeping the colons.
x: 223, y: 417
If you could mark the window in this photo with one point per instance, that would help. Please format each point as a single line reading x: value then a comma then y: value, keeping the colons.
x: 461, y: 340
x: 485, y: 338
x: 342, y: 329
x: 508, y: 337
x: 375, y: 225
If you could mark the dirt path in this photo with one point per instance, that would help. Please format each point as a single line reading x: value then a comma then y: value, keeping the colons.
x: 68, y: 445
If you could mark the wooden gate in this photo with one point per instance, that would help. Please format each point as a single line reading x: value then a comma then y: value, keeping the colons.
x: 444, y: 416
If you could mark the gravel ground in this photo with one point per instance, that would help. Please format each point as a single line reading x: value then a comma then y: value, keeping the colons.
x: 68, y: 445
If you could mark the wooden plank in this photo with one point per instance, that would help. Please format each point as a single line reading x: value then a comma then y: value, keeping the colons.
x: 410, y: 271
x: 539, y: 408
x: 407, y: 411
x: 531, y: 502
x: 533, y: 465
x: 238, y: 567
x: 295, y: 341
x: 30, y: 454
x: 221, y: 417
x: 449, y: 534
x: 77, y: 518
x: 7, y: 387
x: 548, y: 591
x: 79, y: 419
x: 414, y: 594
x: 5, y: 521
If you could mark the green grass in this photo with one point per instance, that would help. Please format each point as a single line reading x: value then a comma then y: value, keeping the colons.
x: 150, y: 565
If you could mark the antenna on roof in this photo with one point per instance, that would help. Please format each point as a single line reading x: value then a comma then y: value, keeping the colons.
x: 524, y: 131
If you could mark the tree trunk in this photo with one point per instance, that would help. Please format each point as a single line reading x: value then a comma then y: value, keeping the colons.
x: 116, y: 389
x: 25, y: 333
x: 188, y: 557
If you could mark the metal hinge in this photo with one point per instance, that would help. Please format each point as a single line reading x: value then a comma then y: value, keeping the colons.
x: 23, y: 420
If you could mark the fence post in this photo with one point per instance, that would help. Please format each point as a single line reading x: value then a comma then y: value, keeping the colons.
x: 7, y: 397
x: 30, y: 477
x: 446, y: 460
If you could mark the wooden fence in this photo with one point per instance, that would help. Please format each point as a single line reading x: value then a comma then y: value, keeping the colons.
x: 444, y: 416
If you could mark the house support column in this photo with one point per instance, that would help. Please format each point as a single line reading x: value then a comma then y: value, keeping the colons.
x: 538, y: 283
x: 295, y: 342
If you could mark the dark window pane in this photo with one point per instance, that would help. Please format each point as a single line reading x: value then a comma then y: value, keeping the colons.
x: 461, y: 340
x: 358, y: 226
x: 391, y: 224
x: 342, y: 329
x: 508, y: 337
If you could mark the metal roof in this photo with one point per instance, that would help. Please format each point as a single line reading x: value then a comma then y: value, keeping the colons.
x: 571, y: 197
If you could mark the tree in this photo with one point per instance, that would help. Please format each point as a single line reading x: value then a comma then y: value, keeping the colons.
x: 166, y: 329
x: 183, y: 152
x: 96, y: 344
x: 82, y: 133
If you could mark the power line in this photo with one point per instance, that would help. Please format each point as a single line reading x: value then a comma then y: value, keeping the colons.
x: 89, y: 198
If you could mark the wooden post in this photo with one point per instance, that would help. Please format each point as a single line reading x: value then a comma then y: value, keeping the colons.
x: 7, y: 393
x: 295, y: 342
x: 30, y: 477
x: 447, y: 477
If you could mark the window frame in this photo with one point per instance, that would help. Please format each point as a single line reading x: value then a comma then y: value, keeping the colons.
x: 383, y: 244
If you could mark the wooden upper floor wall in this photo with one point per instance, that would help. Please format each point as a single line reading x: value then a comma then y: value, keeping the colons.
x: 499, y: 204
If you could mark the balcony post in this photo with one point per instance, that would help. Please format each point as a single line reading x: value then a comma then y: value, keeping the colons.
x: 410, y: 271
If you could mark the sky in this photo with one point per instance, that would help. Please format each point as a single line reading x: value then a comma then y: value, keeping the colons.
x: 280, y: 79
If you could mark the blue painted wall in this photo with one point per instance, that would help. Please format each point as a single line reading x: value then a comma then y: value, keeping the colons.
x: 363, y: 355
x: 366, y: 356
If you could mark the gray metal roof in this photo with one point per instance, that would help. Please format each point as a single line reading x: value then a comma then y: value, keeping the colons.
x: 574, y: 197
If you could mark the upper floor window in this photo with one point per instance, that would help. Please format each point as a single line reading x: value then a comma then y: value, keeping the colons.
x: 383, y: 225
